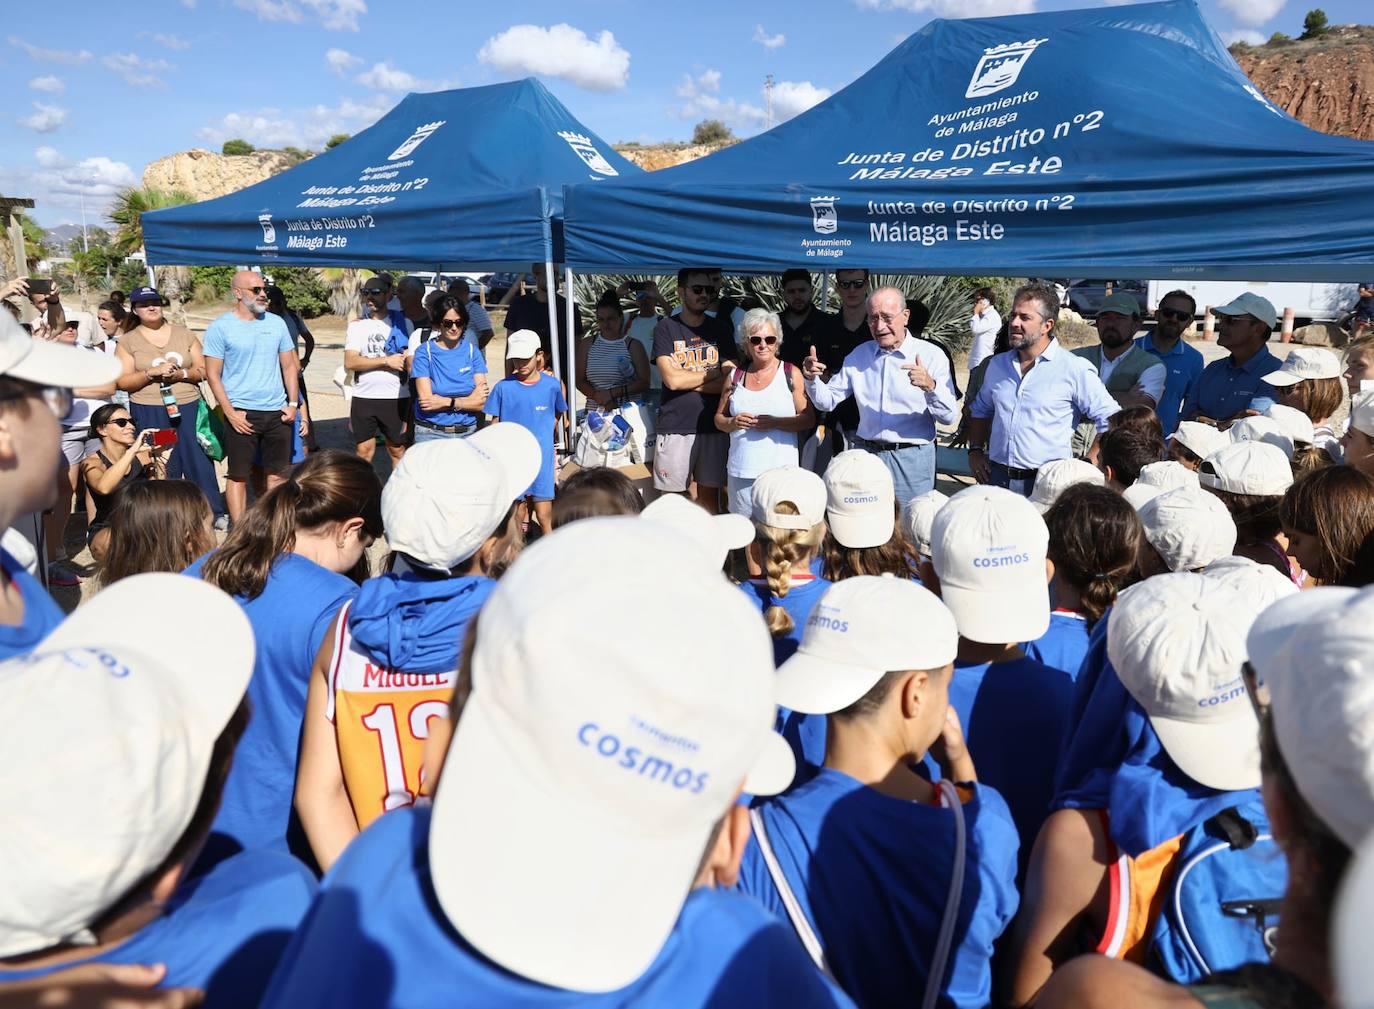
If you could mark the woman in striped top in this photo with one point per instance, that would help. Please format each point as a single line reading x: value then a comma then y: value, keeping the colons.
x: 610, y: 368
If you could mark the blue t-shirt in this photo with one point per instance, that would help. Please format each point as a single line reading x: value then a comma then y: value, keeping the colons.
x: 252, y: 370
x: 222, y: 932
x: 376, y: 937
x: 1014, y: 716
x: 1184, y: 365
x: 41, y: 612
x: 1063, y: 645
x: 871, y: 873
x: 804, y: 733
x: 290, y: 618
x: 534, y: 407
x: 450, y: 373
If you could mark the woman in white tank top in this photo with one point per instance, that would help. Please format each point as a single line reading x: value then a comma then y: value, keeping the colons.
x: 762, y: 408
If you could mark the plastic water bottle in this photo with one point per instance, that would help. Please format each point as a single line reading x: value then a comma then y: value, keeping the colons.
x: 620, y: 433
x: 600, y: 430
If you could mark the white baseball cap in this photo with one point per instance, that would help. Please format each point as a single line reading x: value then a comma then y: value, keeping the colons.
x: 1321, y: 689
x: 1138, y: 494
x: 1200, y: 439
x: 716, y: 534
x: 1362, y: 413
x: 43, y: 362
x: 1353, y: 967
x: 1252, y: 468
x: 1263, y: 429
x: 1058, y: 476
x: 1303, y: 363
x: 801, y: 488
x: 599, y: 764
x: 861, y: 629
x: 1280, y: 620
x: 1177, y: 642
x: 446, y: 497
x: 521, y: 344
x: 1292, y: 422
x: 107, y: 739
x: 860, y: 500
x: 1261, y: 585
x: 988, y: 546
x: 920, y: 516
x: 1166, y: 475
x: 1188, y: 527
x: 1250, y: 304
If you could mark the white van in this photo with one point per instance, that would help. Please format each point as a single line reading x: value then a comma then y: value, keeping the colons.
x: 1311, y: 302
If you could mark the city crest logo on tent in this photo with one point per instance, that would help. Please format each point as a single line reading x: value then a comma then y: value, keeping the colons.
x: 999, y: 67
x: 584, y: 148
x: 824, y: 219
x: 421, y: 134
x: 269, y: 230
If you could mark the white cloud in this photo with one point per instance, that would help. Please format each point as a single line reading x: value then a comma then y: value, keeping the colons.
x: 137, y: 71
x: 1253, y: 13
x: 47, y: 157
x: 336, y: 15
x: 385, y: 77
x: 50, y: 84
x: 58, y: 184
x: 168, y: 41
x: 1247, y: 35
x: 953, y: 8
x: 707, y: 81
x: 67, y: 56
x: 46, y: 118
x: 559, y: 51
x: 791, y: 98
x: 768, y: 41
x: 307, y: 128
x: 341, y: 60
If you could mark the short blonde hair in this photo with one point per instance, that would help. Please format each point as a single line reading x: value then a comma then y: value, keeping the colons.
x: 754, y: 320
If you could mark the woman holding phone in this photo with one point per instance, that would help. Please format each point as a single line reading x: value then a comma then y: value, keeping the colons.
x: 122, y: 458
x: 163, y: 369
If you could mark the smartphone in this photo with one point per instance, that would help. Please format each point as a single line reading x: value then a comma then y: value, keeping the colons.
x: 38, y: 285
x: 165, y: 437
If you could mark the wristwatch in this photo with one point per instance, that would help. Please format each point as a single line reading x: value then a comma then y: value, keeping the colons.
x: 980, y: 449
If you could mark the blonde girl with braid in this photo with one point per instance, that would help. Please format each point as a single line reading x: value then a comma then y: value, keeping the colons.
x: 784, y: 561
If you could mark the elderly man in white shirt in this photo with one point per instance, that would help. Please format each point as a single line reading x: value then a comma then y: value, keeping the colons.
x: 902, y: 386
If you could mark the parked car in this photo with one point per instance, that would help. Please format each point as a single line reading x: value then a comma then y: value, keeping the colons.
x: 1086, y: 296
x: 499, y: 283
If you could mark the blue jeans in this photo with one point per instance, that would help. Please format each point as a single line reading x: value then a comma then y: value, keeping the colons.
x: 912, y: 468
x: 423, y: 433
x: 1002, y: 478
x: 188, y: 461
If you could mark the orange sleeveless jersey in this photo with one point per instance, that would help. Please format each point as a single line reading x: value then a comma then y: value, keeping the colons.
x: 381, y: 718
x: 1138, y: 888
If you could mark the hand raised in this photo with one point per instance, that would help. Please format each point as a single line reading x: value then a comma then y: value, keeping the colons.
x: 812, y: 366
x: 920, y: 378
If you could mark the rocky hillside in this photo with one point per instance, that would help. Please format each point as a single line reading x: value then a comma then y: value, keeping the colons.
x: 652, y: 158
x: 1327, y: 82
x: 205, y: 174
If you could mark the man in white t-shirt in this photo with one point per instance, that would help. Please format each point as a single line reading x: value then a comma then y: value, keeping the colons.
x: 984, y: 325
x: 375, y: 351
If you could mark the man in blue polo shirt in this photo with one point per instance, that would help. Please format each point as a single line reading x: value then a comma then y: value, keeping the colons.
x: 1175, y: 313
x: 1226, y: 389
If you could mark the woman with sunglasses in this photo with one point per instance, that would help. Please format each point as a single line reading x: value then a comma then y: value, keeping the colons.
x: 163, y: 369
x: 123, y: 457
x: 450, y: 375
x: 762, y: 408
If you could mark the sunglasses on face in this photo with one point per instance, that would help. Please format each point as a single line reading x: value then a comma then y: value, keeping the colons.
x: 1173, y: 313
x: 58, y: 399
x: 852, y: 285
x: 759, y: 340
x: 702, y: 289
x: 451, y: 323
x: 370, y: 292
x: 120, y: 421
x: 255, y: 290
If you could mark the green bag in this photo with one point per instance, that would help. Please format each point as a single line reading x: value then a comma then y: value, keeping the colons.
x: 209, y: 431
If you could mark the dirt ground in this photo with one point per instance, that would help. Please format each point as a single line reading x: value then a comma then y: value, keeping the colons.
x: 329, y: 418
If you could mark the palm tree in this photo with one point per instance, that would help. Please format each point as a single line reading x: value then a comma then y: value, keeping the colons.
x: 127, y: 215
x: 345, y: 290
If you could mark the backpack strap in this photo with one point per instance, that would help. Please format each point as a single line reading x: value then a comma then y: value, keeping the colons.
x: 787, y: 371
x: 805, y: 932
x: 1239, y: 832
x: 736, y: 377
x: 935, y: 980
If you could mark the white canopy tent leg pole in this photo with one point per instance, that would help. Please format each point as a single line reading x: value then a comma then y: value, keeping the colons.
x: 551, y: 286
x: 571, y: 336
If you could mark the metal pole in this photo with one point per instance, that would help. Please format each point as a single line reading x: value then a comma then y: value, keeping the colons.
x: 552, y: 287
x: 571, y: 339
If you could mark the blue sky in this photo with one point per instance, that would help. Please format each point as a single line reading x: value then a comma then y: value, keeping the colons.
x: 100, y: 90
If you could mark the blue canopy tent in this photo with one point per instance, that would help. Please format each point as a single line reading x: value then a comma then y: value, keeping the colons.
x: 1121, y: 141
x: 445, y: 180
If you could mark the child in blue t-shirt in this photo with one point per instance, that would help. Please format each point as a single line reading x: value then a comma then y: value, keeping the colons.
x: 1094, y: 542
x: 845, y: 835
x: 534, y: 399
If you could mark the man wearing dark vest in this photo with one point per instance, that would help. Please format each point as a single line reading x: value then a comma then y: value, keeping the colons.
x: 1132, y: 375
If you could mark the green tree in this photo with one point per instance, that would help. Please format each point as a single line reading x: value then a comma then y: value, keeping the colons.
x: 336, y: 140
x: 232, y: 147
x: 712, y: 131
x: 1280, y: 37
x: 126, y: 213
x: 1314, y: 25
x: 211, y: 282
x: 304, y: 288
x: 35, y: 242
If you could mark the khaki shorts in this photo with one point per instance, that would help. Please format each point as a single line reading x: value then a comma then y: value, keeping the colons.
x: 681, y: 458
